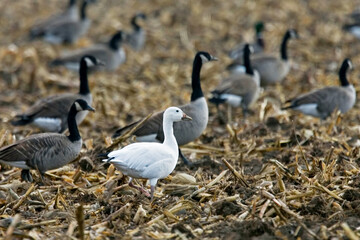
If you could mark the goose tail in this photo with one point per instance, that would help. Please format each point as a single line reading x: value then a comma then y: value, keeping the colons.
x: 21, y: 120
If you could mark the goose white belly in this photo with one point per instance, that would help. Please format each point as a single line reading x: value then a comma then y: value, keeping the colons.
x: 231, y: 99
x: 309, y: 109
x: 48, y: 124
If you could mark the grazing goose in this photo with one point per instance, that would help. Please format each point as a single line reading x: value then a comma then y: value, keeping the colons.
x: 50, y: 114
x: 258, y: 45
x: 322, y: 102
x: 152, y: 161
x: 136, y: 38
x: 68, y: 31
x: 46, y: 151
x: 185, y: 132
x: 239, y: 89
x: 70, y: 14
x: 271, y: 69
x: 112, y: 54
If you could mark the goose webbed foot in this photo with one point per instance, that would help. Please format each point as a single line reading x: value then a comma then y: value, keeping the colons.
x: 26, y: 175
x: 185, y: 160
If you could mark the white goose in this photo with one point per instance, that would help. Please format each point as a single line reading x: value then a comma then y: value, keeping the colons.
x: 150, y: 160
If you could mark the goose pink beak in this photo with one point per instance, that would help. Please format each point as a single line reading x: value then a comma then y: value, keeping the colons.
x: 186, y: 117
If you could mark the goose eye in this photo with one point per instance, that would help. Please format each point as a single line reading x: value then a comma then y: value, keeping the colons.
x: 177, y: 110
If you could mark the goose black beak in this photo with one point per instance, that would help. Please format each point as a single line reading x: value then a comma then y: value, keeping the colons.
x: 186, y: 118
x: 214, y: 58
x: 100, y: 63
x: 89, y: 108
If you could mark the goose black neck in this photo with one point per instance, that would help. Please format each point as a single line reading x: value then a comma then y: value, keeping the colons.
x: 260, y: 40
x: 248, y: 69
x: 72, y: 3
x: 73, y: 129
x: 84, y: 84
x: 195, y: 79
x: 284, y: 46
x: 342, y: 74
x: 83, y: 10
x: 134, y: 23
x: 114, y: 42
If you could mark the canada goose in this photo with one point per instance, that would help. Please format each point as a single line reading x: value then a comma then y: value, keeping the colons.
x: 68, y: 31
x: 50, y: 114
x: 239, y: 89
x: 112, y: 54
x: 136, y: 38
x: 152, y: 161
x: 271, y: 69
x: 258, y: 45
x: 185, y: 132
x: 322, y: 102
x: 46, y: 151
x: 70, y: 14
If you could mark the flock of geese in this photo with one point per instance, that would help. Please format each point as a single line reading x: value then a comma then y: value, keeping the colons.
x: 155, y: 154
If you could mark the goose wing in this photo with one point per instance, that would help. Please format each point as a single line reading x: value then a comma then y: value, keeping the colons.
x: 135, y: 159
x: 27, y: 152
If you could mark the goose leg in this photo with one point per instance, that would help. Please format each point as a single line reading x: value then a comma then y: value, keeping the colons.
x: 141, y: 189
x: 221, y: 117
x: 26, y: 175
x: 152, y: 192
x: 185, y: 160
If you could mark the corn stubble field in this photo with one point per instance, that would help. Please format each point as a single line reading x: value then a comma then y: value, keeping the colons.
x: 274, y: 175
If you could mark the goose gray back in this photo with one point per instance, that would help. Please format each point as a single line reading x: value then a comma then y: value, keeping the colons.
x: 71, y: 13
x: 136, y: 38
x: 46, y: 151
x: 111, y: 54
x: 197, y: 109
x: 321, y: 103
x: 50, y: 114
x: 68, y: 31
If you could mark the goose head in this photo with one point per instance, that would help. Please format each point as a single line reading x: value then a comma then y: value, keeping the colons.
x: 347, y: 62
x: 116, y: 40
x: 259, y: 27
x: 91, y: 61
x: 175, y: 114
x: 292, y: 33
x: 248, y: 49
x: 82, y: 105
x: 206, y: 57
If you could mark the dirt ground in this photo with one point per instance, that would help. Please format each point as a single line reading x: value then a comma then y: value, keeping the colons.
x: 272, y: 175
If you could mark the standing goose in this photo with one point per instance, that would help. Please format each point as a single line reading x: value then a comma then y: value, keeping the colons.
x: 70, y: 14
x: 112, y: 54
x: 136, y: 39
x: 258, y: 45
x: 322, y: 102
x: 239, y: 89
x: 152, y: 161
x: 46, y: 151
x: 271, y: 69
x: 50, y: 114
x: 68, y: 31
x: 197, y: 109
